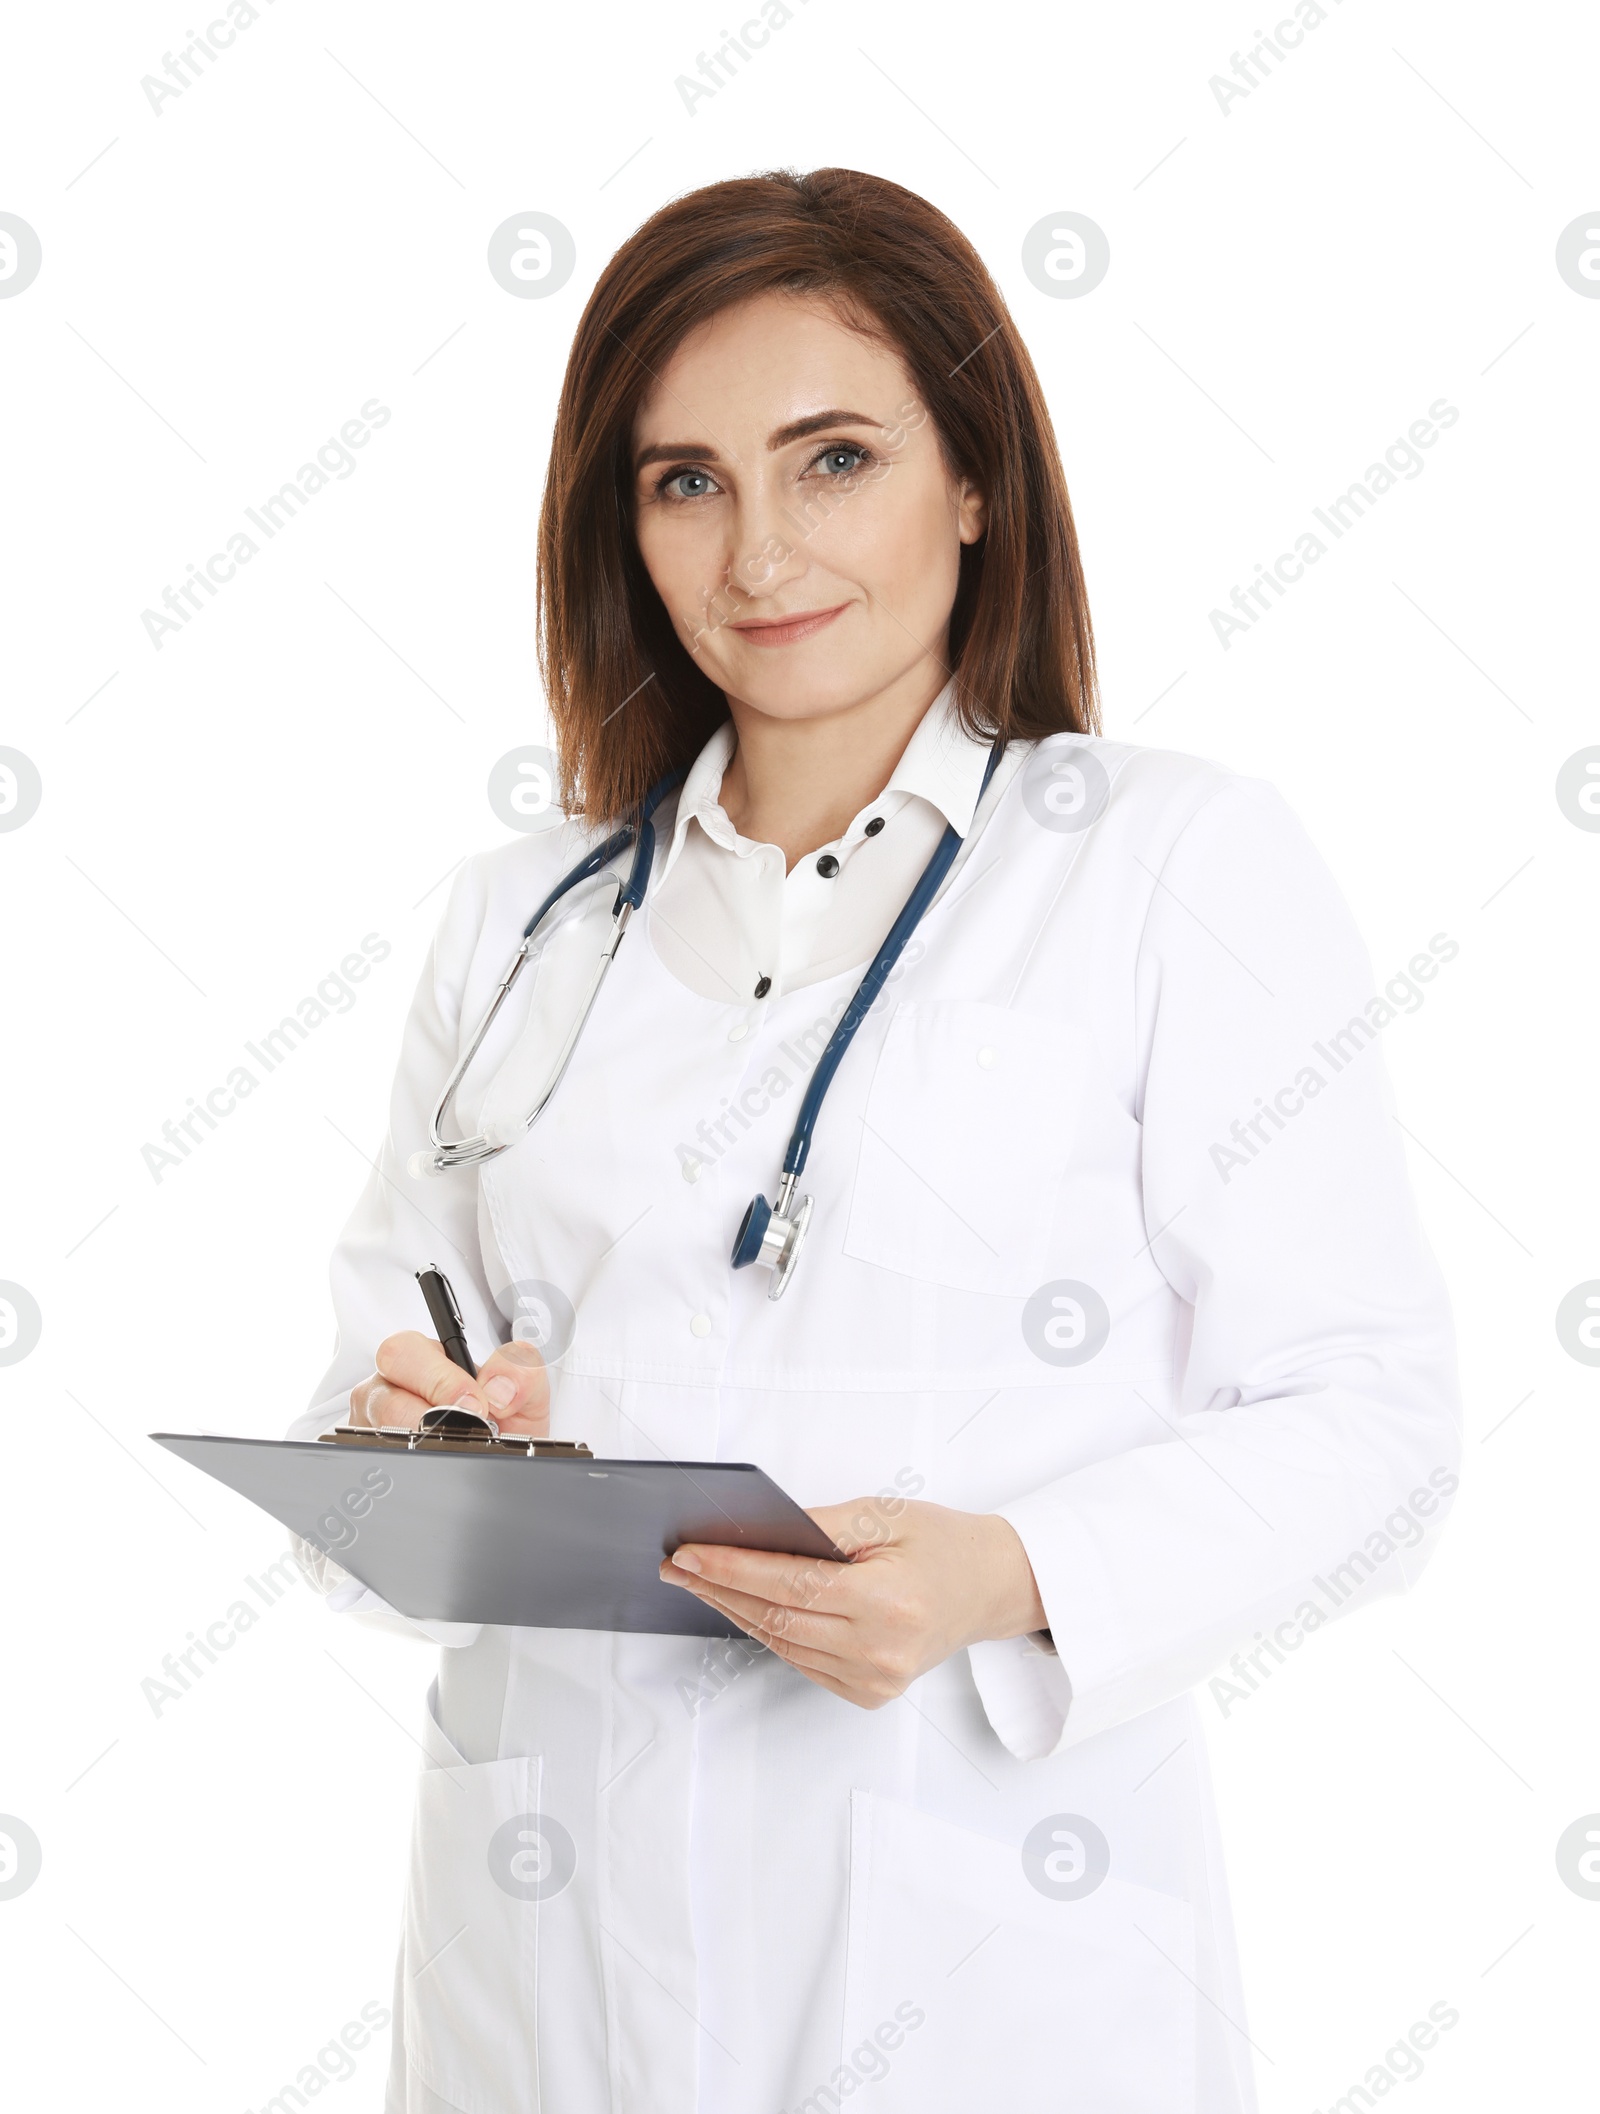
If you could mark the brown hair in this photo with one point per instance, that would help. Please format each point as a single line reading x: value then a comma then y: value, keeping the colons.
x: 1020, y: 643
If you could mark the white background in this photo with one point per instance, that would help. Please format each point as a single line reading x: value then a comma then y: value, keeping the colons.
x: 224, y: 284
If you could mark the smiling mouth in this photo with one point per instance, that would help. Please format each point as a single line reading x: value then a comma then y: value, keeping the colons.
x: 784, y: 631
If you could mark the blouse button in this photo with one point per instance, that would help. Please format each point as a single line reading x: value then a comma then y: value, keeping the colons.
x: 827, y: 866
x: 700, y: 1325
x: 988, y: 1059
x: 763, y: 987
x: 739, y: 1031
x: 874, y: 826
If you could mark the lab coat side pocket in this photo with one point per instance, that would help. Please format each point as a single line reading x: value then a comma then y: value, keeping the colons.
x: 982, y: 1973
x: 482, y: 1860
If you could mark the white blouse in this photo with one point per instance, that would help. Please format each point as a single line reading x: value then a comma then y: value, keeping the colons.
x: 723, y: 913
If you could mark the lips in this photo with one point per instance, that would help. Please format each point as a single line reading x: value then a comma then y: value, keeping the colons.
x: 785, y: 631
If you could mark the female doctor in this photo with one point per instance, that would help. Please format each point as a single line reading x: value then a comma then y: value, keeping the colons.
x: 1106, y: 1333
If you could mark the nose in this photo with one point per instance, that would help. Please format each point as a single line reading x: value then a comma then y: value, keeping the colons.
x: 764, y: 553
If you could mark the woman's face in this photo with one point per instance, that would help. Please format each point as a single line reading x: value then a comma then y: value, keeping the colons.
x: 794, y: 510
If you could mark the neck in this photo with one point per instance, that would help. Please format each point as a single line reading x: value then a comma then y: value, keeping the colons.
x: 800, y: 783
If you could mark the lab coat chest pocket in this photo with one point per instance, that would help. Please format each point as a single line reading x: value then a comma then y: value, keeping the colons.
x: 968, y: 1985
x: 967, y: 1131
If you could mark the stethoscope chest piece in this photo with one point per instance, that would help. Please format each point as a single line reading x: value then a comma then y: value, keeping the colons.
x: 771, y: 1235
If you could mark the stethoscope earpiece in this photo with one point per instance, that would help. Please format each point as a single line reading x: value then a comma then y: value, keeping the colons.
x: 771, y: 1235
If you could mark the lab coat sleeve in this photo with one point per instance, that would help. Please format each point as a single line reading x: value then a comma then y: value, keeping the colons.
x: 1310, y: 1455
x: 401, y: 1224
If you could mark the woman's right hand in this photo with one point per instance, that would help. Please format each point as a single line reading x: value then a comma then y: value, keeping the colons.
x: 414, y: 1375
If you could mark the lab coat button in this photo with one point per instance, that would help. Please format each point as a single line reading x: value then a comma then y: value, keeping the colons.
x: 739, y: 1031
x: 700, y: 1325
x: 988, y: 1059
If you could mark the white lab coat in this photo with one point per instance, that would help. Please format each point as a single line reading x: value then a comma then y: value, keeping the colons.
x: 1006, y: 1888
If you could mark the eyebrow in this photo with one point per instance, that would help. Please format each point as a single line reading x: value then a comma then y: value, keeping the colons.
x: 779, y: 437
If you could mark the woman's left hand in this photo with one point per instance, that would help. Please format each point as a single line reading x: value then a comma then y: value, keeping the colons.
x: 922, y: 1582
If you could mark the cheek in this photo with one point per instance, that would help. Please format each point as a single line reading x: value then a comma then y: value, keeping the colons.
x: 897, y: 537
x: 679, y: 560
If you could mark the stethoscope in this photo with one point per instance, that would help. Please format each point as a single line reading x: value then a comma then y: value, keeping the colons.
x: 769, y: 1234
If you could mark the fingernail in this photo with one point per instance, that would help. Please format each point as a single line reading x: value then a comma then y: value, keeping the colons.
x: 686, y: 1562
x: 502, y: 1392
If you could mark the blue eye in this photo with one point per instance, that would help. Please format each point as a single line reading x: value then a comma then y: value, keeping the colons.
x: 699, y: 478
x: 853, y: 456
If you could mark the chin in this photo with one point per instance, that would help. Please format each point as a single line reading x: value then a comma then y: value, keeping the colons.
x: 802, y: 692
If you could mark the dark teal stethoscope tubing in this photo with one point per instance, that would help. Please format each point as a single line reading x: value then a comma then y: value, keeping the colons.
x: 872, y: 983
x: 641, y: 834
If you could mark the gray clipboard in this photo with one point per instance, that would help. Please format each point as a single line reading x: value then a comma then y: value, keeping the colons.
x: 519, y: 1539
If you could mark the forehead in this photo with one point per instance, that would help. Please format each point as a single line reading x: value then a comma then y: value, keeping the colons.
x: 764, y: 361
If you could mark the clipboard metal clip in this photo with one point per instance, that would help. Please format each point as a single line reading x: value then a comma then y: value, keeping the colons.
x: 455, y: 1431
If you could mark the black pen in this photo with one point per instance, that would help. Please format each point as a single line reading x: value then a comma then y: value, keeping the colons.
x: 446, y: 1318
